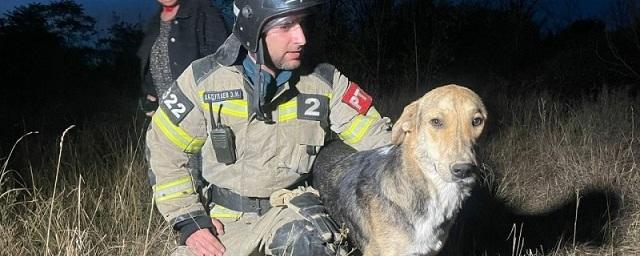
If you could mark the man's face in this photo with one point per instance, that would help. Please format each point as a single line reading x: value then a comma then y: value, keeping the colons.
x: 285, y: 41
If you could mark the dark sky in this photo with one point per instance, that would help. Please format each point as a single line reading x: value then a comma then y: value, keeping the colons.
x: 562, y: 11
x: 102, y: 10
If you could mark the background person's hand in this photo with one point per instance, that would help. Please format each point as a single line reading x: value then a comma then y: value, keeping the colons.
x: 150, y: 105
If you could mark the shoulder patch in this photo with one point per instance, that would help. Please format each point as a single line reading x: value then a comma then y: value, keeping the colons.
x: 357, y: 98
x: 203, y: 67
x: 325, y: 72
x: 175, y: 104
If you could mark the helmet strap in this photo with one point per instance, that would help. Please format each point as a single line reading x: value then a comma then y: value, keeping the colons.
x: 258, y: 99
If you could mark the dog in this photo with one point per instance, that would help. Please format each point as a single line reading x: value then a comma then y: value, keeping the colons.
x: 402, y: 199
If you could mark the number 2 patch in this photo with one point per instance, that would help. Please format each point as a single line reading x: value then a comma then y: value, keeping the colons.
x: 357, y: 98
x: 175, y: 104
x: 313, y: 107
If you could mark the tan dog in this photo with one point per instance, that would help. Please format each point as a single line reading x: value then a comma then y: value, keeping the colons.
x: 402, y: 199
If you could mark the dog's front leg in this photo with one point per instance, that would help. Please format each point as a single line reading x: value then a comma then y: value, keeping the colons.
x: 384, y: 238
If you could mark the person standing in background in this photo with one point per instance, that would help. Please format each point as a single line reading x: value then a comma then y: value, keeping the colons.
x: 180, y: 32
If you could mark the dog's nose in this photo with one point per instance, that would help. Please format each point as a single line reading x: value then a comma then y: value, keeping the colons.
x: 462, y: 171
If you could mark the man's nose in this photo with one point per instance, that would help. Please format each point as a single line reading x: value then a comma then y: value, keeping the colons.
x: 298, y: 35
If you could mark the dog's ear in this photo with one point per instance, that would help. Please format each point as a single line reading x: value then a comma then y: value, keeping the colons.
x: 405, y: 123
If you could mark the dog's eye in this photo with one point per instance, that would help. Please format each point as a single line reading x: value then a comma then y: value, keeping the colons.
x: 476, y: 121
x: 436, y: 122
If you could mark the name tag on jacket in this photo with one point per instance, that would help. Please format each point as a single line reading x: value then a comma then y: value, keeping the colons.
x: 218, y: 96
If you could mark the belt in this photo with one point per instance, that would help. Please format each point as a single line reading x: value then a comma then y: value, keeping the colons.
x: 236, y: 202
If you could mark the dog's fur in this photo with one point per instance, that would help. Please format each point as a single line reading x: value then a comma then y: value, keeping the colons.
x: 401, y: 199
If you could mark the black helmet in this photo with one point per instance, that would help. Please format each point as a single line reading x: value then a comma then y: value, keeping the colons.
x: 252, y: 15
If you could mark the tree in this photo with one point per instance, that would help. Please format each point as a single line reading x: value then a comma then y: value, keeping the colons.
x: 623, y: 42
x: 118, y: 64
x: 64, y: 19
x: 44, y: 67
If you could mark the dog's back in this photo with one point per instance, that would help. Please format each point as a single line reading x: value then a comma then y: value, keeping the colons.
x: 346, y: 187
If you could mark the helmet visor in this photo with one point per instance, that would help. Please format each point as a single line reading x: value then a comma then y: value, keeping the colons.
x: 284, y: 21
x: 284, y: 5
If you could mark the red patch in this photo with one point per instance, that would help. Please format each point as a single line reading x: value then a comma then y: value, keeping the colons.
x: 357, y: 98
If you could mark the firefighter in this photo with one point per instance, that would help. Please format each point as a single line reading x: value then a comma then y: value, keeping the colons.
x: 258, y: 120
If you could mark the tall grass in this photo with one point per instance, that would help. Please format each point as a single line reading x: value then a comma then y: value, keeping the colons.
x: 550, y: 147
x: 540, y: 152
x: 547, y: 152
x: 101, y: 204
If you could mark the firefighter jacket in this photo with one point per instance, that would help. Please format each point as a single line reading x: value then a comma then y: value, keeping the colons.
x: 270, y: 155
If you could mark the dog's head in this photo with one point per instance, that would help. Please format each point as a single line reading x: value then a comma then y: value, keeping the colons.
x: 439, y: 131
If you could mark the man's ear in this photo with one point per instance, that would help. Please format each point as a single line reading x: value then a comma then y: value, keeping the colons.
x: 405, y: 123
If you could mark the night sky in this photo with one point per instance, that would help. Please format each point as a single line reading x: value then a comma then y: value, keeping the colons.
x: 560, y: 11
x: 102, y: 10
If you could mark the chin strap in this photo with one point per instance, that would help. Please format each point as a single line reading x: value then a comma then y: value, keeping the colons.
x: 258, y: 97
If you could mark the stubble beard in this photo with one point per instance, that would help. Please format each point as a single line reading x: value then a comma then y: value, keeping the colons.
x: 287, y: 65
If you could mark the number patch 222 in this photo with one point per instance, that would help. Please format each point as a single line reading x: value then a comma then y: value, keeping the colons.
x: 176, y: 105
x: 313, y: 107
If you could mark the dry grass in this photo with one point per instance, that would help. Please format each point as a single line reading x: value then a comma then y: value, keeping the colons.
x: 97, y: 203
x: 561, y: 178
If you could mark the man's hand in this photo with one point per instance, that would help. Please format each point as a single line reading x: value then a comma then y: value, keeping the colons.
x: 219, y: 226
x: 202, y: 242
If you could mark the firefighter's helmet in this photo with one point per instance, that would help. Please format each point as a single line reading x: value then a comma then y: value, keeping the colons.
x: 252, y: 15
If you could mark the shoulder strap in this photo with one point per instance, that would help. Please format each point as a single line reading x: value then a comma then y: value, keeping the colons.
x: 203, y: 67
x: 325, y: 72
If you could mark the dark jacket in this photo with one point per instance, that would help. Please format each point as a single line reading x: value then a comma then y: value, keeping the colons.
x: 197, y: 31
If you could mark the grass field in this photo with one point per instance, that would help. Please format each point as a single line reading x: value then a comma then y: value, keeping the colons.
x: 560, y: 177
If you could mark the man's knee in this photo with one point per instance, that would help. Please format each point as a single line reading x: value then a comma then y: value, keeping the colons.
x: 182, y: 251
x: 299, y: 237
